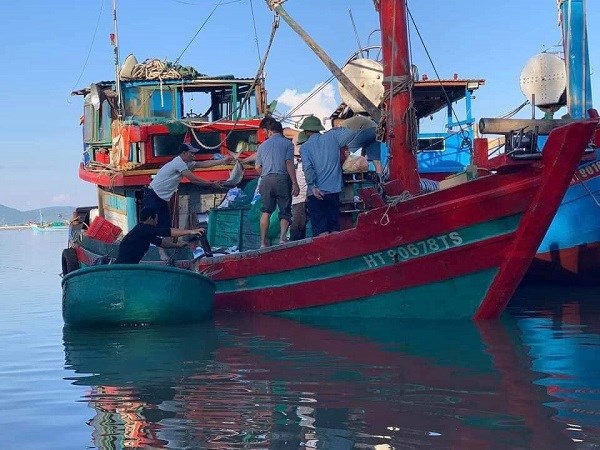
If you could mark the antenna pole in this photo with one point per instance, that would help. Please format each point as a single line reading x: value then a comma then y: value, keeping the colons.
x: 115, y: 44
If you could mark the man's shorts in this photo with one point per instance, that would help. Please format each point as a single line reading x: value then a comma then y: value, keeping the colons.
x: 276, y: 190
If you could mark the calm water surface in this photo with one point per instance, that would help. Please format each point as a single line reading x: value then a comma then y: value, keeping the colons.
x: 531, y: 380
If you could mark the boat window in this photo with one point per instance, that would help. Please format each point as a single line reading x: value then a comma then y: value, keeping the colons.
x: 105, y: 122
x: 208, y: 139
x: 434, y: 144
x: 242, y: 141
x: 132, y: 102
x: 149, y: 102
x: 166, y: 144
x: 161, y: 103
x: 89, y: 121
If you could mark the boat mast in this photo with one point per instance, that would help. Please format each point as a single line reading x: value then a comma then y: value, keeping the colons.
x: 115, y: 44
x: 577, y: 59
x: 397, y: 79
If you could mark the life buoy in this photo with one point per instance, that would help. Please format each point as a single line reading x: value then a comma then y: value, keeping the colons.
x: 69, y: 261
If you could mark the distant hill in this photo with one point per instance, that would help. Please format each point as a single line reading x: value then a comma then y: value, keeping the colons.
x: 12, y: 216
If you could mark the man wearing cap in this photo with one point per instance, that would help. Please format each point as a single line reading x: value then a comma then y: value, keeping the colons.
x: 275, y: 163
x: 167, y: 179
x: 298, y: 226
x: 323, y: 172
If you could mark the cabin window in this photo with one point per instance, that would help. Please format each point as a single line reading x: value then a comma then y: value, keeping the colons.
x: 208, y: 139
x: 96, y: 124
x: 245, y: 140
x: 434, y: 144
x: 161, y: 103
x: 166, y: 144
x: 132, y: 102
x: 105, y: 122
x: 89, y: 122
x: 149, y: 102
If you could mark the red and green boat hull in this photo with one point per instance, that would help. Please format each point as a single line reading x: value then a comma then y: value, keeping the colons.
x: 455, y: 253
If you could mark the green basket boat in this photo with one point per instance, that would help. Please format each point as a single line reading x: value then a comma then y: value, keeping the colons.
x: 135, y: 294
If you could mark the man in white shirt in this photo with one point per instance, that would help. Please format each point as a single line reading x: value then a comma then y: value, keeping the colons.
x: 298, y: 226
x: 166, y: 181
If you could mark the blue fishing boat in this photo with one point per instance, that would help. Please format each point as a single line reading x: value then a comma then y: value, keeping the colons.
x: 135, y: 294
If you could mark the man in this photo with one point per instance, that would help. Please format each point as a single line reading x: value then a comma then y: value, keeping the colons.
x: 298, y: 226
x: 136, y: 243
x: 275, y: 163
x: 167, y: 180
x: 365, y: 139
x: 323, y: 171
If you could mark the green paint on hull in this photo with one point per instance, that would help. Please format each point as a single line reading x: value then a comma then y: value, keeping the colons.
x: 119, y: 294
x: 457, y: 298
x: 404, y: 252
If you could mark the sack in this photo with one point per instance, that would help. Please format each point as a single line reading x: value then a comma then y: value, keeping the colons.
x: 355, y: 163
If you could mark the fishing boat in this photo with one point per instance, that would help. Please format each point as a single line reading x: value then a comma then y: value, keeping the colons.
x: 135, y: 294
x: 570, y: 250
x: 456, y: 253
x: 56, y: 225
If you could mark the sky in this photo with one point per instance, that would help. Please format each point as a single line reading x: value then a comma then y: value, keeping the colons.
x: 49, y: 49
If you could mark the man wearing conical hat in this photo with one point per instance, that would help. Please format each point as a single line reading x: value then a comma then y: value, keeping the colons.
x: 323, y: 172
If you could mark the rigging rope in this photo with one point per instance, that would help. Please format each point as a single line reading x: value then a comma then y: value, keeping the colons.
x: 259, y: 73
x: 255, y: 32
x: 87, y: 58
x: 462, y: 130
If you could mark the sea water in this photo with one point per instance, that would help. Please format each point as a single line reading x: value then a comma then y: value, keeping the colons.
x: 531, y: 380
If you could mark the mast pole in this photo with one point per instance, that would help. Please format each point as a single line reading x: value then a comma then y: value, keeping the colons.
x: 397, y: 80
x: 577, y: 59
x: 367, y: 104
x: 115, y: 44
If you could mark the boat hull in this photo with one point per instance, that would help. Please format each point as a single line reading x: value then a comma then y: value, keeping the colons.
x: 570, y: 251
x: 122, y: 294
x: 456, y: 253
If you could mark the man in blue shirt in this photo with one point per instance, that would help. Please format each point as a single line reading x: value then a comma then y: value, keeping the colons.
x: 275, y: 163
x: 321, y: 161
x: 136, y: 243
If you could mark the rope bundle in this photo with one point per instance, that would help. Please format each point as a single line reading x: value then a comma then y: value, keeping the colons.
x: 152, y: 69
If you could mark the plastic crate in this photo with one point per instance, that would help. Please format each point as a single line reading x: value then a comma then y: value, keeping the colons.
x: 102, y: 230
x: 228, y: 227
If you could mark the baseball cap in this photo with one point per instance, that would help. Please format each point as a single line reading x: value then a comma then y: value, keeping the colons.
x: 185, y: 147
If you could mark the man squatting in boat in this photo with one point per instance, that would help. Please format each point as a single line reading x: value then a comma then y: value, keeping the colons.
x: 275, y: 164
x: 136, y: 243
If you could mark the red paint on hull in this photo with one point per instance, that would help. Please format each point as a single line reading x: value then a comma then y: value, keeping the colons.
x: 412, y: 273
x: 518, y: 190
x: 562, y: 161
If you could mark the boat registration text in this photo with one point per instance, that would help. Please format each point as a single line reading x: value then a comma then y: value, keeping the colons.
x: 413, y: 250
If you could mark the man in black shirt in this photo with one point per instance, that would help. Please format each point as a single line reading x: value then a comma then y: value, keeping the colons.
x: 136, y: 243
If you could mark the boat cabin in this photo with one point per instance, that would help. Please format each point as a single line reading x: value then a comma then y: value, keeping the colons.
x: 143, y: 129
x: 131, y: 130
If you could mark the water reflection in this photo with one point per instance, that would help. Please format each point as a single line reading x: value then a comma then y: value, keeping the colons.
x: 561, y: 329
x: 269, y: 382
x: 131, y: 372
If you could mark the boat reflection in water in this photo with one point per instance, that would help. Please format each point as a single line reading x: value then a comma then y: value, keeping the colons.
x: 560, y: 328
x: 261, y: 381
x: 131, y: 372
